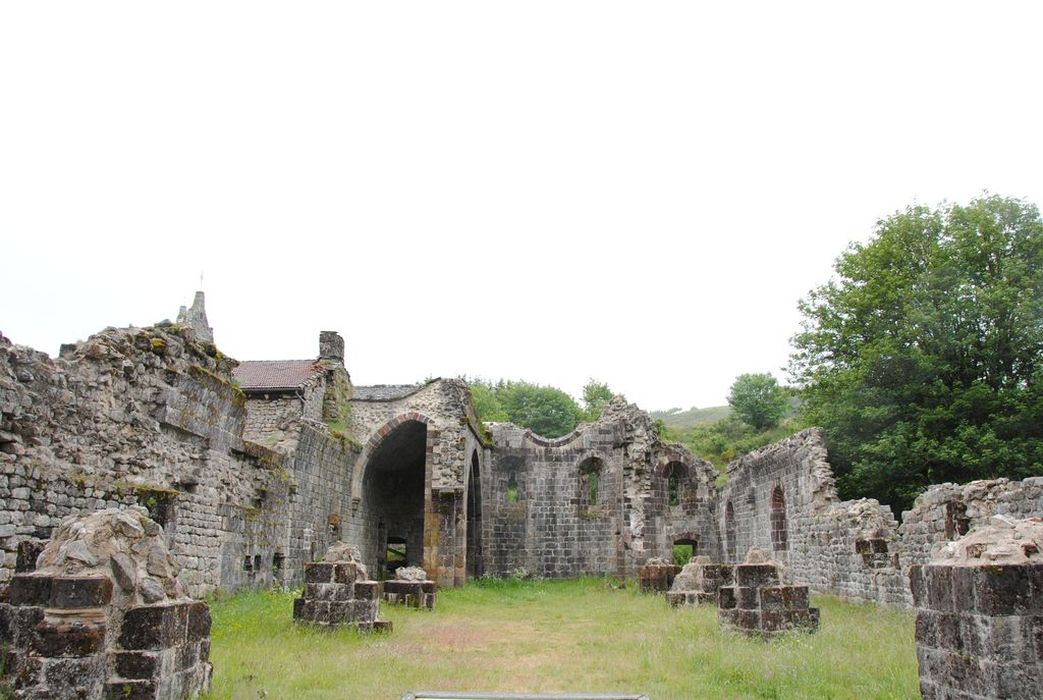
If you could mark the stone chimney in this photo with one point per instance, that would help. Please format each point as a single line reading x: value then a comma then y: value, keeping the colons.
x: 195, y: 318
x: 331, y: 347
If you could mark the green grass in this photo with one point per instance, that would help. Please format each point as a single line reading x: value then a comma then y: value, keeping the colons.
x: 579, y: 636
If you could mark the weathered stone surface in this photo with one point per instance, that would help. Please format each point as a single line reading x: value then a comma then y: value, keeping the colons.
x: 334, y: 595
x: 979, y: 623
x: 758, y: 604
x: 71, y: 632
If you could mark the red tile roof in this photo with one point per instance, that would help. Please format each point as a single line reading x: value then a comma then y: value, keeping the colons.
x: 275, y: 374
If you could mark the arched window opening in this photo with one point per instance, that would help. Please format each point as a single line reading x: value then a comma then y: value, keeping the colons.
x: 512, y: 488
x: 675, y: 475
x: 779, y: 535
x: 590, y: 481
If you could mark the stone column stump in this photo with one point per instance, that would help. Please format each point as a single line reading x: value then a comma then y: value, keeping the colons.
x: 698, y: 582
x: 657, y: 575
x: 337, y: 592
x: 979, y: 622
x: 759, y: 603
x: 411, y: 588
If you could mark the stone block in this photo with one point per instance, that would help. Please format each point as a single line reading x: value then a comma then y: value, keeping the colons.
x: 300, y: 609
x: 382, y: 626
x: 69, y: 592
x: 747, y: 598
x: 319, y: 572
x: 68, y: 638
x: 755, y: 575
x: 131, y: 690
x: 938, y: 584
x: 154, y: 626
x: 726, y: 598
x: 1003, y: 590
x: 917, y: 586
x: 136, y: 664
x: 30, y: 589
x: 950, y: 635
x: 199, y: 622
x: 773, y: 598
x: 347, y: 572
x: 367, y: 590
x: 927, y: 628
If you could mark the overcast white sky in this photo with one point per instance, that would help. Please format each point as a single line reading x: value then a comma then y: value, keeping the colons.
x: 637, y: 192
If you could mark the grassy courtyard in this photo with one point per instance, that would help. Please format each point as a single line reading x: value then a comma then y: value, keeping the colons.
x: 579, y: 636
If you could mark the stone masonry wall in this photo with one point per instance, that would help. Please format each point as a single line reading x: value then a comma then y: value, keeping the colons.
x: 783, y: 499
x: 131, y: 416
x: 539, y: 515
x: 946, y: 512
x: 854, y: 549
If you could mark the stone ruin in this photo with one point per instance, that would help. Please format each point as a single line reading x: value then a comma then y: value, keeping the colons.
x: 255, y: 468
x: 338, y: 592
x: 979, y: 623
x: 761, y: 604
x: 698, y: 582
x: 104, y: 615
x: 657, y: 575
x: 411, y: 588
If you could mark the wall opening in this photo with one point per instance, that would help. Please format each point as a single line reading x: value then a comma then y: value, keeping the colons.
x: 589, y: 481
x: 393, y: 489
x: 685, y: 548
x: 779, y: 533
x: 512, y: 488
x: 394, y: 555
x: 957, y: 524
x: 475, y: 567
x: 676, y: 475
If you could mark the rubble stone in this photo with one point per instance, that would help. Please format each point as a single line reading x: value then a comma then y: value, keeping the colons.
x: 698, y: 582
x: 90, y: 601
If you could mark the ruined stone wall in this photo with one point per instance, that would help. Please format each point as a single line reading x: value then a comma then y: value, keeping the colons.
x: 854, y: 549
x: 453, y: 442
x: 782, y: 499
x: 539, y: 514
x: 131, y: 415
x: 946, y: 512
x: 447, y: 404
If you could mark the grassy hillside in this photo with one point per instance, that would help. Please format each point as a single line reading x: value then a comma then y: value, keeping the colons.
x: 678, y: 419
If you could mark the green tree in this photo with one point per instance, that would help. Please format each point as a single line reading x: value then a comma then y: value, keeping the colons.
x: 758, y: 400
x: 922, y: 359
x: 545, y: 410
x: 486, y: 405
x: 596, y: 396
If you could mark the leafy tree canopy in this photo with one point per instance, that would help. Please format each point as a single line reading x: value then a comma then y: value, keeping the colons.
x: 758, y: 400
x: 596, y: 396
x: 545, y: 410
x: 922, y: 358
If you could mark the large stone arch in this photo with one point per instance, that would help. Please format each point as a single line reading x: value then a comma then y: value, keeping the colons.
x: 374, y: 442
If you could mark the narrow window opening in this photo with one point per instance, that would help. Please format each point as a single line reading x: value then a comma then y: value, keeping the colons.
x: 248, y: 564
x: 589, y: 481
x: 512, y: 489
x: 278, y: 560
x: 779, y: 534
